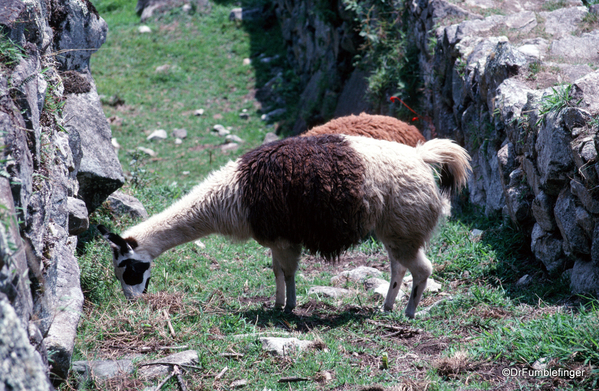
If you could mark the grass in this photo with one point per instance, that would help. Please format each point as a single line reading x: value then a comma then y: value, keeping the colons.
x: 219, y: 297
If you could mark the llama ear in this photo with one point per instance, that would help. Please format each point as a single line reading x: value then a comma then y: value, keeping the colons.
x: 116, y: 242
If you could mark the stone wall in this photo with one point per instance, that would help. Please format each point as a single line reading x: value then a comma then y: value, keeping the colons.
x: 322, y: 41
x: 56, y: 161
x: 520, y: 89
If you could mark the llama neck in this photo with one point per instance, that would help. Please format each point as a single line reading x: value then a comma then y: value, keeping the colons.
x: 211, y: 207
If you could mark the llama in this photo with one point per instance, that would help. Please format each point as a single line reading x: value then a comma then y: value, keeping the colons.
x: 324, y: 193
x: 376, y: 126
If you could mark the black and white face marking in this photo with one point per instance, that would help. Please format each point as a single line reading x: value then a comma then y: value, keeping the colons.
x: 131, y: 269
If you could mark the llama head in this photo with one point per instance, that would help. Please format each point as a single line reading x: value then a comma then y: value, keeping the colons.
x: 131, y: 267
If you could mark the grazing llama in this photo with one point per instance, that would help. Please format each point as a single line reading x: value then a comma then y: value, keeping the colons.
x: 324, y: 193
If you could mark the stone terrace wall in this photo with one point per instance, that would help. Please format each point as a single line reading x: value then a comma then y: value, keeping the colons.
x: 57, y: 164
x: 488, y: 67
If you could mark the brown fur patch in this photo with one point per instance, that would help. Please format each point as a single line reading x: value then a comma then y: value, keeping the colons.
x: 380, y: 127
x: 306, y: 190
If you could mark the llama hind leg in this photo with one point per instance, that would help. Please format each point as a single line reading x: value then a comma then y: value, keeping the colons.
x: 420, y: 267
x: 397, y: 274
x: 284, y: 264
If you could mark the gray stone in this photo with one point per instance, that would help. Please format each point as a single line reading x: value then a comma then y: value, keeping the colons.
x: 159, y: 134
x: 564, y: 21
x: 284, y: 346
x: 120, y: 204
x: 524, y: 281
x: 14, y: 279
x: 22, y: 367
x: 229, y: 147
x: 78, y: 216
x: 99, y: 171
x: 67, y: 300
x: 329, y: 291
x: 585, y: 278
x: 565, y: 216
x: 548, y: 249
x: 554, y: 157
x: 270, y: 137
x: 232, y: 138
x: 80, y: 34
x: 220, y: 130
x: 542, y: 210
x: 102, y: 370
x: 358, y: 274
x: 180, y: 133
x: 147, y: 151
x: 189, y: 357
x: 586, y: 90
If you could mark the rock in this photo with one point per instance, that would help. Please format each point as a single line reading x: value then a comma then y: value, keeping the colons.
x: 198, y: 112
x: 524, y: 281
x: 22, y: 367
x: 565, y: 215
x: 67, y: 300
x: 239, y: 383
x: 200, y: 244
x: 147, y: 372
x: 115, y: 144
x: 353, y: 99
x: 85, y: 371
x: 178, y: 141
x: 186, y: 8
x: 162, y: 68
x: 379, y: 287
x: 120, y: 204
x: 270, y: 137
x: 541, y: 364
x: 98, y: 169
x: 144, y: 29
x: 147, y: 151
x: 358, y: 274
x: 229, y: 147
x: 231, y: 138
x: 220, y: 130
x: 247, y: 61
x: 584, y: 279
x: 159, y: 134
x: 284, y: 346
x: 78, y: 216
x: 329, y: 291
x: 548, y: 249
x: 179, y: 133
x: 542, y: 210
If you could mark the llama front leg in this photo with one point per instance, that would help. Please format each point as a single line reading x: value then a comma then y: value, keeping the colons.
x: 284, y: 264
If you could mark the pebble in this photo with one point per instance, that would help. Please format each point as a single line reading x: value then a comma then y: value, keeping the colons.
x: 198, y: 112
x: 231, y: 138
x: 180, y: 133
x: 222, y: 132
x: 247, y: 61
x: 159, y: 134
x: 144, y: 29
x: 229, y: 147
x: 115, y: 144
x: 147, y: 151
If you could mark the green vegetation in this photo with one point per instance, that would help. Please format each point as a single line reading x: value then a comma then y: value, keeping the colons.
x: 555, y: 103
x: 218, y: 296
x: 386, y: 53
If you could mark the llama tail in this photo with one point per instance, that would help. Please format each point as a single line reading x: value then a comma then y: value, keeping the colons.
x: 451, y: 161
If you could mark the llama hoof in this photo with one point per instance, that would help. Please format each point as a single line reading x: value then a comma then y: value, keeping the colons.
x: 289, y: 310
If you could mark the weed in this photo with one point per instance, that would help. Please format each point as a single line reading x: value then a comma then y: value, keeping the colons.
x: 10, y: 52
x: 555, y: 103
